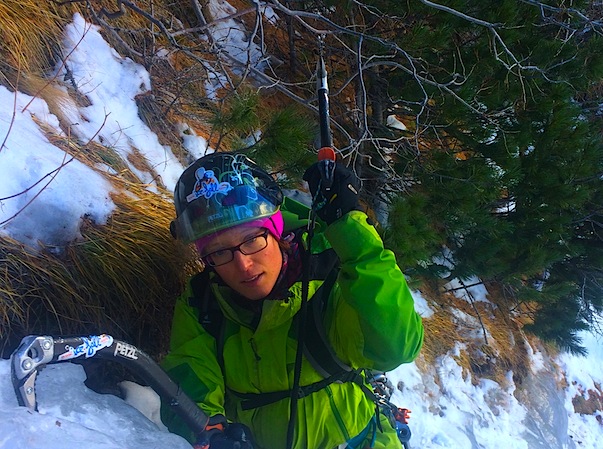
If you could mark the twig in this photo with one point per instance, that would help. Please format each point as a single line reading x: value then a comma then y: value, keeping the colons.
x: 479, y: 317
x: 14, y: 114
x: 52, y: 174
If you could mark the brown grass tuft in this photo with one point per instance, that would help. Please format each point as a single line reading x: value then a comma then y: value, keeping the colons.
x: 492, y: 343
x: 440, y: 336
x: 589, y: 402
x: 122, y: 279
x: 29, y: 36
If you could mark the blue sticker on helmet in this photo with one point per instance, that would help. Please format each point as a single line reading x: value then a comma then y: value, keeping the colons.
x: 207, y: 185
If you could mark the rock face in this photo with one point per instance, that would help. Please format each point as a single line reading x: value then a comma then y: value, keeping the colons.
x: 547, y: 417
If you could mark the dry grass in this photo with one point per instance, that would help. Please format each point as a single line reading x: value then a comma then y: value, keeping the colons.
x: 441, y: 336
x: 134, y: 267
x: 31, y: 286
x: 589, y: 402
x: 30, y: 34
x: 122, y: 278
x: 491, y: 343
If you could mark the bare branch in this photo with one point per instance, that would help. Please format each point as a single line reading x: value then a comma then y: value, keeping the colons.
x: 52, y: 176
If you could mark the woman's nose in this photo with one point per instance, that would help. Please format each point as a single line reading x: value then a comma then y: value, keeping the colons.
x: 241, y: 260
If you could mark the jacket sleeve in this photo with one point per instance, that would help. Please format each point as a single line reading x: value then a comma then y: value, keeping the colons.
x: 192, y: 363
x: 372, y: 322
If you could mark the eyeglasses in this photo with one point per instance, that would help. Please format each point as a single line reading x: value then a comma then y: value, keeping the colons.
x: 250, y: 246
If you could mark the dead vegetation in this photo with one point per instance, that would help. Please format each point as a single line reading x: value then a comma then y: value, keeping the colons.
x: 487, y: 343
x: 589, y: 402
x: 30, y: 34
x: 121, y: 278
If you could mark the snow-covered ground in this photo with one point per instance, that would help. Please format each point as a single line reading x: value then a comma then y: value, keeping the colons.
x: 44, y: 194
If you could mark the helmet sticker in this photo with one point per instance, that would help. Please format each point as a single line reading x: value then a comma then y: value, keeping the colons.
x: 221, y: 191
x: 240, y: 172
x: 207, y: 185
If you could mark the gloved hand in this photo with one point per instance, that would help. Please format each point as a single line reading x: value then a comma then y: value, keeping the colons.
x: 337, y: 201
x: 235, y: 436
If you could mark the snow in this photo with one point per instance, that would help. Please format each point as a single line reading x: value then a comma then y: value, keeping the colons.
x: 72, y: 416
x: 449, y: 408
x: 463, y: 415
x: 38, y: 201
x: 470, y: 290
x: 394, y: 122
x: 230, y: 37
x: 111, y: 84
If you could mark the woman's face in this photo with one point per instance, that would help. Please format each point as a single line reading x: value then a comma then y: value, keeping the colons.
x: 254, y: 275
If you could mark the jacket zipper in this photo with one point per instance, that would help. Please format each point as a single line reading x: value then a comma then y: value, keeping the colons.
x: 336, y: 414
x: 254, y: 349
x: 257, y: 357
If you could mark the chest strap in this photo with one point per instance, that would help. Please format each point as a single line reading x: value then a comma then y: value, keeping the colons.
x: 254, y: 400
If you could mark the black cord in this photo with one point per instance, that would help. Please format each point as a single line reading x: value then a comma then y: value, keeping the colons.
x: 301, y: 331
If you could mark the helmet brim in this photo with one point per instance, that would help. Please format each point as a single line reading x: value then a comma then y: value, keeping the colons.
x: 207, y: 216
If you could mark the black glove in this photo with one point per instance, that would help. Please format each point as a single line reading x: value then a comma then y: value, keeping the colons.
x: 337, y: 201
x: 235, y: 436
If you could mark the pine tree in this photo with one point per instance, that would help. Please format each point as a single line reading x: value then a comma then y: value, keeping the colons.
x: 499, y: 169
x: 276, y: 138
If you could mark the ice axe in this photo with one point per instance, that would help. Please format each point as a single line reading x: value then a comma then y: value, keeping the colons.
x: 35, y: 352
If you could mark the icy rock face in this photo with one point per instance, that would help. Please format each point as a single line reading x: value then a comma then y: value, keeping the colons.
x: 143, y: 399
x: 71, y: 416
x: 547, y: 419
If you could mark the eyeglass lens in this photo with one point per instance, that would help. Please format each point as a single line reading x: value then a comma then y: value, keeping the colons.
x: 248, y: 247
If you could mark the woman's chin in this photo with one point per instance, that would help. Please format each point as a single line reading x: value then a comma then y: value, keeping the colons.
x: 256, y: 289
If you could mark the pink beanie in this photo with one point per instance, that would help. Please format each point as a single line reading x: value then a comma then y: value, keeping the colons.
x: 274, y: 224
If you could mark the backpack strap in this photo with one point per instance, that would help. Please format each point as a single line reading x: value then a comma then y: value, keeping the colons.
x: 210, y: 316
x: 320, y: 354
x: 317, y: 348
x: 250, y: 401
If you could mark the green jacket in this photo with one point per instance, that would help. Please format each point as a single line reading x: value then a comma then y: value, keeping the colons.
x: 370, y: 321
